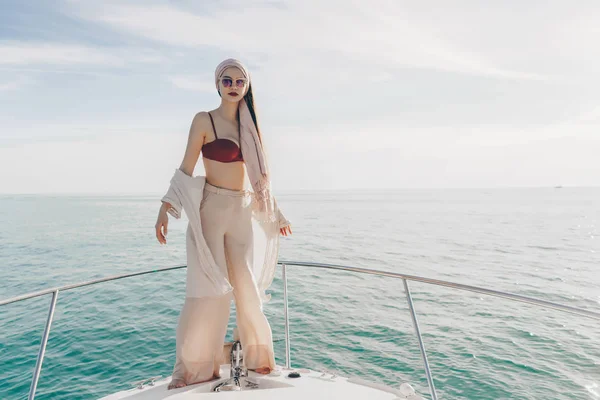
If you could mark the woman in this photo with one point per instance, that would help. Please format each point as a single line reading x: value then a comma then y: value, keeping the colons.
x: 222, y: 243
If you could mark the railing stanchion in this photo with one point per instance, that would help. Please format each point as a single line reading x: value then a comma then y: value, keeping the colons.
x: 42, y: 352
x: 288, y: 361
x: 405, y: 278
x: 413, y: 315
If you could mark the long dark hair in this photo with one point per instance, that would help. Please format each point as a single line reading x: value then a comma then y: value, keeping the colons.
x: 249, y: 97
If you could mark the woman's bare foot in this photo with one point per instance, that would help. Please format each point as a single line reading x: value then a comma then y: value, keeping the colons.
x: 263, y: 370
x: 176, y: 384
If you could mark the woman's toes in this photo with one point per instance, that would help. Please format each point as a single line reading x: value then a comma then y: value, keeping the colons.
x: 263, y: 370
x: 176, y: 384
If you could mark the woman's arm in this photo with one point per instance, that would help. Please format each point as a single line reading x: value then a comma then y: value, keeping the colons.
x: 195, y: 142
x: 192, y: 152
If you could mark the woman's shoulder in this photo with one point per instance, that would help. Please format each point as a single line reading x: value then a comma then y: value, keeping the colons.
x: 201, y: 116
x: 201, y: 122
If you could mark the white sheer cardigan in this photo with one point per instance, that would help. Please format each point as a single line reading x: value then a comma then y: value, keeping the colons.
x: 204, y: 278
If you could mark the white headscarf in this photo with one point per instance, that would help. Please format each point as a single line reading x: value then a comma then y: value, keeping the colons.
x: 252, y: 149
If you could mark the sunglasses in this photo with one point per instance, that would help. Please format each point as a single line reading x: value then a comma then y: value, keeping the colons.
x: 228, y: 82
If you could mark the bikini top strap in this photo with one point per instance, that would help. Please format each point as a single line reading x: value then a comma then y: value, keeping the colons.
x: 239, y: 130
x: 213, y: 125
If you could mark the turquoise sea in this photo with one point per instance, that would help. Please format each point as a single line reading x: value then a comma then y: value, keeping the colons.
x: 540, y: 242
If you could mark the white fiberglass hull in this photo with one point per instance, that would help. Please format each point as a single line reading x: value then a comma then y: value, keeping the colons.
x: 311, y: 385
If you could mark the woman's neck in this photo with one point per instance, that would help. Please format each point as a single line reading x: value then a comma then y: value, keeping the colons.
x: 228, y: 110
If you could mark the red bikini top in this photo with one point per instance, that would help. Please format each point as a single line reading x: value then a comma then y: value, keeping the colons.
x: 222, y: 150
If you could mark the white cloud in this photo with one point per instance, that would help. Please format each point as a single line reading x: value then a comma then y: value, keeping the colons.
x: 590, y: 116
x: 385, y: 94
x: 54, y: 131
x: 14, y: 84
x: 23, y: 53
x: 33, y: 53
x: 193, y: 82
x: 116, y: 158
x: 386, y: 35
x: 111, y: 164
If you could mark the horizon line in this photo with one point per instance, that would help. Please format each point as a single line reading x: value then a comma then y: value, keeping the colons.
x: 300, y: 191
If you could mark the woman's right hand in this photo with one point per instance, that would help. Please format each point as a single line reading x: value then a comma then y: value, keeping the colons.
x: 161, y: 225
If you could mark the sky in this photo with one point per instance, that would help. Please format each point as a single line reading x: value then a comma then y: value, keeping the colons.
x: 96, y: 97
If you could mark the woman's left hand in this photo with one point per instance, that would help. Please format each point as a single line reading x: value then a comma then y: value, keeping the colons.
x: 284, y: 231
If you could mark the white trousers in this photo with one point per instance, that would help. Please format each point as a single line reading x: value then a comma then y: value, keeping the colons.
x: 227, y: 228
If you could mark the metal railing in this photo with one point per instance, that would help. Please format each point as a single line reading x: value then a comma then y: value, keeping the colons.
x: 405, y: 278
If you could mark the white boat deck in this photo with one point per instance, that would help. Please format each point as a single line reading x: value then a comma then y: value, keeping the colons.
x: 311, y: 385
